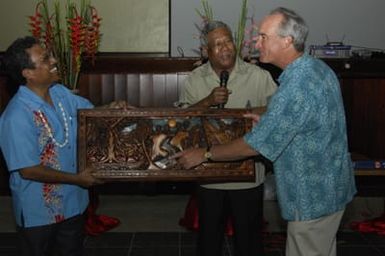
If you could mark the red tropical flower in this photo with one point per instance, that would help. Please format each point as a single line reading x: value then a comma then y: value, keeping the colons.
x: 80, y: 35
x: 92, y: 36
x: 35, y: 22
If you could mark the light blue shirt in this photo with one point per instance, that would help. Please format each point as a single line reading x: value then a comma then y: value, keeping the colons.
x: 303, y: 133
x: 25, y: 142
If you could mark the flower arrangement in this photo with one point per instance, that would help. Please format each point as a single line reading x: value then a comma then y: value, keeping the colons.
x: 245, y: 35
x: 71, y: 39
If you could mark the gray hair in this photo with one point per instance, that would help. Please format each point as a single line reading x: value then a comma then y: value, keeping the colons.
x: 210, y: 26
x: 292, y: 25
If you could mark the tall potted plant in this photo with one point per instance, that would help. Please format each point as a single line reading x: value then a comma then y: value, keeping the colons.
x: 70, y: 39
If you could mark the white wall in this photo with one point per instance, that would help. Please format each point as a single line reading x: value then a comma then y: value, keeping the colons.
x: 359, y: 22
x: 130, y: 26
x: 126, y: 26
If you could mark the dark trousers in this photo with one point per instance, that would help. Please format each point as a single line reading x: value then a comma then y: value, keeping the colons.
x: 62, y: 239
x: 245, y: 207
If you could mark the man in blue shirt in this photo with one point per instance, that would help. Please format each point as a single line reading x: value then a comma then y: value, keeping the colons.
x: 38, y: 140
x: 303, y: 133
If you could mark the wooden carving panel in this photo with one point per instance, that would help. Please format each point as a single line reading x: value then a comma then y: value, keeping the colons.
x: 133, y: 145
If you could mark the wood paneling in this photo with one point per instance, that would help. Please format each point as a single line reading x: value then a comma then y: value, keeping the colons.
x: 140, y: 90
x: 364, y: 101
x: 5, y: 93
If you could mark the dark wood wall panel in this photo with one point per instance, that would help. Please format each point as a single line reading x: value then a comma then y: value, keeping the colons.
x: 120, y: 88
x: 364, y: 101
x: 132, y: 90
x: 140, y: 90
x: 5, y: 93
x: 108, y: 88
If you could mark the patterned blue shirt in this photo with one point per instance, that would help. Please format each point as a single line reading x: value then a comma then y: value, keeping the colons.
x: 303, y: 133
x: 26, y: 142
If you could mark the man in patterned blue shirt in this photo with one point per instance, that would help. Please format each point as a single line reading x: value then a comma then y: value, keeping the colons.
x: 303, y: 133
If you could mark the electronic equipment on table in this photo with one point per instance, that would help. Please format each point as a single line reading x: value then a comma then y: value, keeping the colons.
x: 335, y: 50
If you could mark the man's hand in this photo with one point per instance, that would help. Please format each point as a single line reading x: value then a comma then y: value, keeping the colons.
x: 86, y: 178
x: 219, y: 95
x: 254, y: 117
x: 190, y: 158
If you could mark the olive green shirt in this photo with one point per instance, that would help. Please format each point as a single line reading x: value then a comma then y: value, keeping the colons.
x: 250, y: 86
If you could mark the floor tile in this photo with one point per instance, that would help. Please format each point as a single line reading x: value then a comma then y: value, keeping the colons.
x: 149, y: 227
x: 8, y: 252
x: 7, y: 240
x: 188, y: 239
x: 109, y: 240
x: 154, y: 240
x: 359, y: 250
x: 188, y: 251
x: 184, y: 244
x: 107, y: 252
x: 155, y: 251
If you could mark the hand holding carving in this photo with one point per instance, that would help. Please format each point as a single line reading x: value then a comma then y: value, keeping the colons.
x: 86, y: 178
x: 190, y: 158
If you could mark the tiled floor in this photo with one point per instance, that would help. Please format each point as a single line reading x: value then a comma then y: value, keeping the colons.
x: 149, y: 226
x: 183, y: 244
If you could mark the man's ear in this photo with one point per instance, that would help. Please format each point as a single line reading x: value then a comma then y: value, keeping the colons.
x: 204, y: 52
x: 288, y: 41
x: 27, y: 73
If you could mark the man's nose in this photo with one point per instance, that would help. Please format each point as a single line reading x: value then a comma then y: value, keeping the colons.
x: 258, y: 44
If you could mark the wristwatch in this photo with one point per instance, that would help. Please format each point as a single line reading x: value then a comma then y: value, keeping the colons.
x: 208, y: 154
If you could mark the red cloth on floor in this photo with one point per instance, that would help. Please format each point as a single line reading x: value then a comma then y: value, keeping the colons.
x: 376, y: 225
x: 97, y: 224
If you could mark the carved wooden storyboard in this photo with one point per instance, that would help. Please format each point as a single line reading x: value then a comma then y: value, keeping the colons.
x: 135, y: 145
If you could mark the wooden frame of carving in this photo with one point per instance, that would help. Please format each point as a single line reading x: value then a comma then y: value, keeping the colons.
x: 134, y: 145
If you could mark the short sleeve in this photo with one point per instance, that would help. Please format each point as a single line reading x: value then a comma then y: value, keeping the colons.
x: 187, y: 92
x: 19, y: 142
x: 286, y: 113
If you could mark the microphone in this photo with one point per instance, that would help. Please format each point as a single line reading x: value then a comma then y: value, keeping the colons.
x: 223, y: 77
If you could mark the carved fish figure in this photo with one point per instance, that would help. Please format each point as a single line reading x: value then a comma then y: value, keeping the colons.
x: 157, y: 149
x: 178, y: 139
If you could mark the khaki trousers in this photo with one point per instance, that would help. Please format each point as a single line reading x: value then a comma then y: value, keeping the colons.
x: 314, y: 237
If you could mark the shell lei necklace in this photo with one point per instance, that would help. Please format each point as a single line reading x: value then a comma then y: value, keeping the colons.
x: 48, y: 128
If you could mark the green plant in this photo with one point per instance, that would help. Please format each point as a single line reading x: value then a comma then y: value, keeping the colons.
x: 72, y: 38
x: 207, y: 13
x: 240, y: 32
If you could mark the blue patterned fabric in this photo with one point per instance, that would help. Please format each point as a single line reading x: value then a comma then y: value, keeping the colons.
x: 25, y: 142
x: 304, y: 133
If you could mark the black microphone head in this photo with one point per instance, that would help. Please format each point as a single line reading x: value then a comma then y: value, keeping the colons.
x: 223, y: 77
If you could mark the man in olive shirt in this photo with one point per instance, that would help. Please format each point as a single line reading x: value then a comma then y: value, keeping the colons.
x: 248, y: 86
